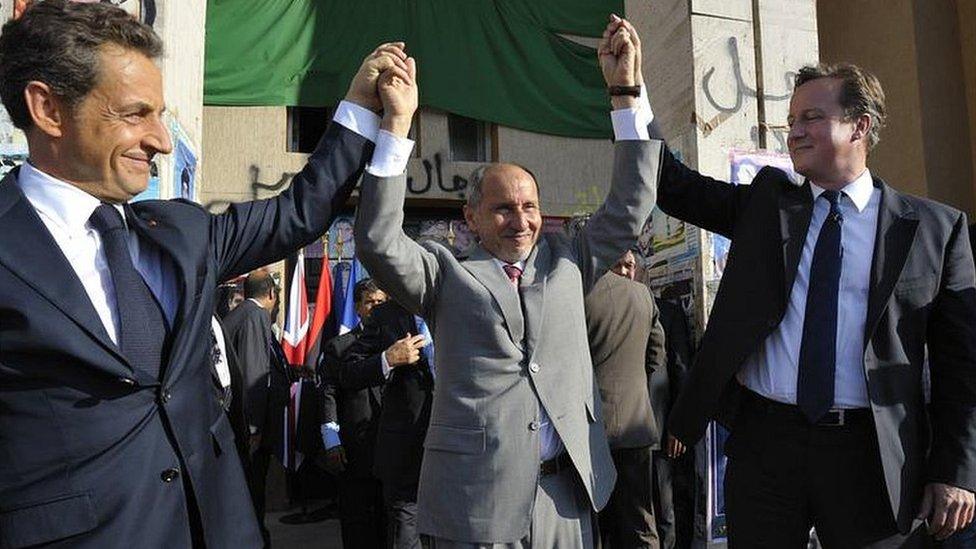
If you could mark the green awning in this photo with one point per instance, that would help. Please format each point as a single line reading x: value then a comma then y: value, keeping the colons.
x: 502, y: 61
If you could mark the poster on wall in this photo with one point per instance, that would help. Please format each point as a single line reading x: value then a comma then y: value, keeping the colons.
x: 184, y: 163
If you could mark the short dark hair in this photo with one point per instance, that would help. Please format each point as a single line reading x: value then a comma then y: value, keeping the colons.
x: 259, y: 284
x: 363, y: 288
x: 481, y: 172
x: 58, y: 42
x: 860, y: 93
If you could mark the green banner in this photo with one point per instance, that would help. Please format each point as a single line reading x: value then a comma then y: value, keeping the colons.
x: 502, y: 61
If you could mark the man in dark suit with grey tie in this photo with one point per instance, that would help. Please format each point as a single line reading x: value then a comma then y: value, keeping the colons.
x: 110, y: 434
x: 815, y: 348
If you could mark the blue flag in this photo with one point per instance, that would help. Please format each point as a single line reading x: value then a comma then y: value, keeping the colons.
x: 350, y: 319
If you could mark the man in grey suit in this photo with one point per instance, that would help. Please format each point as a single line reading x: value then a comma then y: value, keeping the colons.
x: 627, y: 345
x: 516, y: 454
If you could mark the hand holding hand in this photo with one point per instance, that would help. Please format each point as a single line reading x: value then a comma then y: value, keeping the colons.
x: 619, y: 52
x: 400, y: 96
x: 363, y: 88
x: 405, y: 351
x: 947, y: 507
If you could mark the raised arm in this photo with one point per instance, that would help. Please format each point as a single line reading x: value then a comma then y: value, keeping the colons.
x: 251, y: 234
x: 684, y: 193
x: 403, y: 268
x: 617, y: 223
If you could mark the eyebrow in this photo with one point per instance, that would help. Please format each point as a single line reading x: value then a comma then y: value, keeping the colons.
x: 139, y: 106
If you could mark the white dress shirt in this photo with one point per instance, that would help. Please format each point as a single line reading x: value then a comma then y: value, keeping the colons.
x: 64, y: 209
x: 772, y: 370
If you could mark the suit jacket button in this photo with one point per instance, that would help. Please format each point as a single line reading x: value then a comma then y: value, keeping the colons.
x: 128, y: 381
x: 164, y: 397
x: 534, y: 368
x: 169, y: 475
x: 534, y: 426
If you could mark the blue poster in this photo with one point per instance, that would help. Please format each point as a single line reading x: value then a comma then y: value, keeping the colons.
x: 184, y: 171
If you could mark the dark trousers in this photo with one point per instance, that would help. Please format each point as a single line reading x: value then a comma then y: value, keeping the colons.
x: 785, y: 475
x: 401, y: 516
x: 361, y: 515
x: 663, y: 499
x: 256, y: 482
x: 628, y: 519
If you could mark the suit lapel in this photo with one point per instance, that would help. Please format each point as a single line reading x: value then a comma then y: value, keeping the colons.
x: 483, y: 267
x: 41, y: 264
x: 896, y: 232
x: 533, y: 290
x: 795, y: 211
x: 170, y: 242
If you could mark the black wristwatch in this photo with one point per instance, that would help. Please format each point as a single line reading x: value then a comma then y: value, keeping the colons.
x: 633, y: 91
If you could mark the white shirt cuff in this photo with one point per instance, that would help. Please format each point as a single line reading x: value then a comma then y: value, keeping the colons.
x: 385, y: 365
x: 358, y: 119
x: 631, y: 124
x: 390, y: 155
x: 330, y: 435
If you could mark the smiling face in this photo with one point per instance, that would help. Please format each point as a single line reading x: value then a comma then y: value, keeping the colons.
x: 110, y: 137
x: 826, y: 146
x: 507, y: 219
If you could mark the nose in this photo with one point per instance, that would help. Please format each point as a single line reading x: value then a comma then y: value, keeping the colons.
x: 158, y: 138
x: 797, y: 130
x: 519, y: 220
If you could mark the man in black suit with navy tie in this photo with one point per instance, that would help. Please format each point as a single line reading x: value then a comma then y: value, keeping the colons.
x: 835, y: 292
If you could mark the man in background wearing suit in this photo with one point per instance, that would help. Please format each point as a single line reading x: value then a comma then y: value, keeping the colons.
x: 674, y: 470
x: 349, y: 418
x: 627, y: 345
x: 516, y: 453
x: 815, y: 347
x: 247, y: 329
x: 394, y: 354
x: 110, y: 433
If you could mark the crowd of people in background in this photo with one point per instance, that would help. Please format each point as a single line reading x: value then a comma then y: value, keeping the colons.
x: 374, y: 386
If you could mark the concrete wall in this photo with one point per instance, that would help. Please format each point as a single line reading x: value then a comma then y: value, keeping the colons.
x: 246, y: 154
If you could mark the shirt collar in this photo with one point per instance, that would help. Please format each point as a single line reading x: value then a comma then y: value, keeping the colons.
x: 501, y: 264
x: 66, y: 205
x: 859, y: 190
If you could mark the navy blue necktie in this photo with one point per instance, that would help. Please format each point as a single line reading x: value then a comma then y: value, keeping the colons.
x: 142, y: 327
x: 818, y: 348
